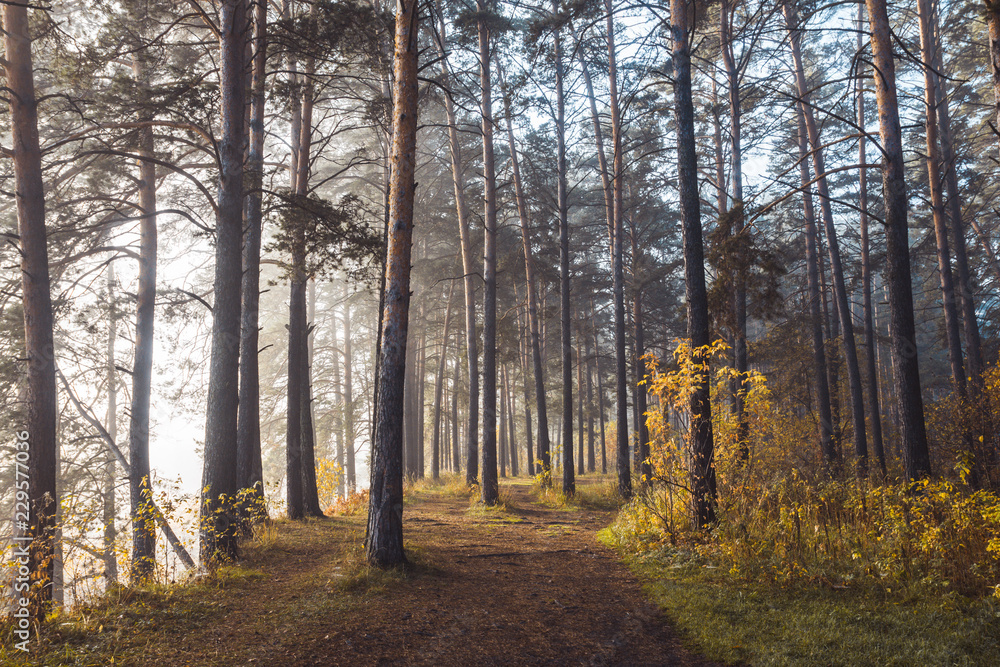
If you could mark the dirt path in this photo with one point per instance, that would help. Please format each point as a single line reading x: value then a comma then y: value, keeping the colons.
x: 530, y: 585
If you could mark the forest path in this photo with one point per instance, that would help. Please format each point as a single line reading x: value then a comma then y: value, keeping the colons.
x: 528, y: 584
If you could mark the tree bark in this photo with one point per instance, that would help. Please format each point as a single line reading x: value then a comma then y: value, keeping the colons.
x: 310, y: 493
x: 600, y: 395
x: 109, y: 513
x: 993, y: 25
x: 348, y: 403
x: 384, y: 537
x: 512, y: 432
x: 703, y: 484
x: 38, y: 527
x: 916, y: 458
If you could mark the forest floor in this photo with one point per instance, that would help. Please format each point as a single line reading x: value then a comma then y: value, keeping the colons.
x: 527, y: 583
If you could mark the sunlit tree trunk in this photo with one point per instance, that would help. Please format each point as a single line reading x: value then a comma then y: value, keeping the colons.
x: 512, y: 431
x: 703, y: 485
x: 439, y: 391
x: 108, y: 510
x: 916, y: 458
x: 600, y: 395
x: 384, y: 537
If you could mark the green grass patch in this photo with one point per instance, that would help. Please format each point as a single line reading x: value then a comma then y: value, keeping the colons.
x: 760, y: 623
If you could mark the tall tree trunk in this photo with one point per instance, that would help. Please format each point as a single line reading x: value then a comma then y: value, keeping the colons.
x: 993, y: 25
x: 339, y: 416
x: 219, y: 484
x: 738, y: 224
x: 524, y: 344
x: 384, y: 537
x: 618, y: 269
x: 591, y: 454
x: 348, y: 402
x: 639, y: 342
x: 874, y: 409
x: 512, y: 431
x: 109, y: 513
x: 439, y: 390
x: 839, y: 286
x: 600, y: 394
x: 533, y: 326
x: 468, y: 267
x: 948, y: 296
x: 248, y: 455
x: 455, y: 456
x: 916, y: 458
x: 140, y: 491
x: 38, y: 439
x: 568, y: 482
x: 503, y: 441
x: 821, y: 377
x: 421, y: 385
x: 489, y: 454
x: 310, y: 492
x: 581, y: 465
x: 703, y: 486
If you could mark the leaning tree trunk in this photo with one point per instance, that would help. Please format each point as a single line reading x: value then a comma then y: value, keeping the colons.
x: 618, y: 269
x: 529, y: 279
x: 219, y: 484
x: 874, y: 409
x: 916, y: 458
x: 703, y: 486
x: 839, y: 286
x: 820, y: 374
x: 384, y: 537
x: 35, y: 517
x: 140, y: 491
x: 249, y: 465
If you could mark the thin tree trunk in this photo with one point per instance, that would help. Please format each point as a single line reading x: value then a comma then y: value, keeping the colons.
x: 455, y: 456
x: 581, y: 466
x: 993, y: 25
x: 384, y: 537
x: 219, y: 484
x: 591, y: 453
x: 489, y: 454
x: 703, y: 485
x: 310, y: 493
x: 339, y: 415
x: 916, y: 458
x: 532, y: 300
x: 523, y: 345
x: 503, y: 441
x: 439, y: 390
x: 249, y: 463
x: 738, y: 225
x: 512, y: 431
x: 874, y: 409
x: 348, y: 402
x: 827, y: 450
x: 948, y: 296
x: 618, y: 270
x: 839, y: 287
x: 568, y: 482
x: 468, y: 267
x: 108, y: 514
x: 600, y: 395
x: 140, y: 491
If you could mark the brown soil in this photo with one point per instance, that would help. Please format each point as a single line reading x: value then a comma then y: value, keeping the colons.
x: 529, y: 585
